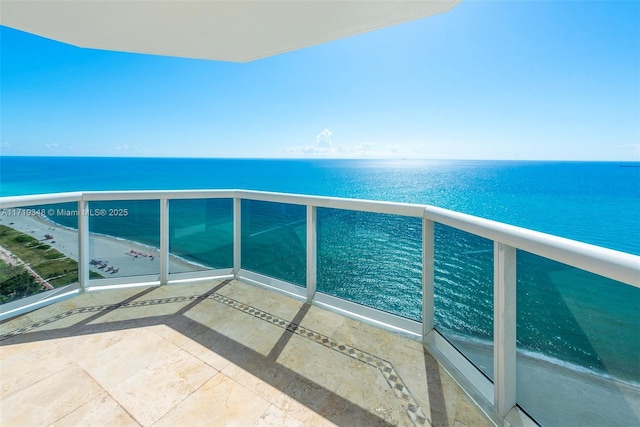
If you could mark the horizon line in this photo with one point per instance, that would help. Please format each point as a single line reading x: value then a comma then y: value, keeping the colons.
x: 325, y: 158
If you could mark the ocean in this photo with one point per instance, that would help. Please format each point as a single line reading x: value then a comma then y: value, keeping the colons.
x: 568, y: 316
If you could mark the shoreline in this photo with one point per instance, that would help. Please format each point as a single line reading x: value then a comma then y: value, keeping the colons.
x: 127, y: 241
x: 559, y: 394
x: 116, y: 252
x: 481, y: 349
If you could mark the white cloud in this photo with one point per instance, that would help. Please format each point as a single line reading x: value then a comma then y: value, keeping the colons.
x: 53, y: 146
x: 323, y: 139
x: 4, y: 145
x: 324, y: 147
x: 367, y: 147
x: 123, y: 147
x: 307, y: 149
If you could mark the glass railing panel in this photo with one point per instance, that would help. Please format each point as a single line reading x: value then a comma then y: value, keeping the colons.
x: 200, y: 234
x: 463, y: 294
x: 39, y: 250
x: 274, y: 237
x: 371, y: 259
x: 124, y: 238
x: 578, y: 340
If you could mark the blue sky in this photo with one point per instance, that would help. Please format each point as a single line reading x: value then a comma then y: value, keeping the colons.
x: 532, y: 80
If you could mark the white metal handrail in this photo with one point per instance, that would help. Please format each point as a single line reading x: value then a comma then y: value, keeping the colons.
x: 616, y: 265
x: 610, y: 263
x: 38, y: 199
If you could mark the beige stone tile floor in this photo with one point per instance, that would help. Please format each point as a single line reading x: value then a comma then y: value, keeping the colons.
x: 216, y: 353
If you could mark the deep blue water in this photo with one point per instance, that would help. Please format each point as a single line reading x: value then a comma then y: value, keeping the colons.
x: 566, y: 315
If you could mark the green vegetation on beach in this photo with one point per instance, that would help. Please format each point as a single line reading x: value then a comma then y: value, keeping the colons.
x: 50, y: 264
x: 16, y: 283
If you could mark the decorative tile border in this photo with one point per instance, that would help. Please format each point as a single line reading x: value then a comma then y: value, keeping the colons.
x: 395, y: 383
x: 399, y: 388
x: 99, y: 308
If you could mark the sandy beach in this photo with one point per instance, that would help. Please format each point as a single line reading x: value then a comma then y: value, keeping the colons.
x: 126, y: 258
x: 558, y: 395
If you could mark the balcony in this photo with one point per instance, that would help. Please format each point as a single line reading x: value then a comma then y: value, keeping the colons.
x: 220, y: 352
x: 265, y: 308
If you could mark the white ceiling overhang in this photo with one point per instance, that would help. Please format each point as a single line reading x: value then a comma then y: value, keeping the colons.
x: 238, y: 31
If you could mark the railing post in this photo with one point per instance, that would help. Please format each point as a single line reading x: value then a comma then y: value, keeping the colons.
x: 237, y: 235
x: 164, y: 241
x: 504, y: 328
x: 83, y: 244
x: 428, y: 277
x: 312, y: 248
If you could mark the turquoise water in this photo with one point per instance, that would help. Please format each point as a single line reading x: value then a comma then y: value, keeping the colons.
x: 593, y: 202
x: 564, y: 315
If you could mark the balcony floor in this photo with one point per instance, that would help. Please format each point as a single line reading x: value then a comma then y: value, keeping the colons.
x: 216, y: 353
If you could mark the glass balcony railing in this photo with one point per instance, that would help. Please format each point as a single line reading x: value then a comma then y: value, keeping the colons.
x: 200, y: 235
x: 358, y: 256
x: 526, y: 320
x: 274, y: 240
x: 578, y: 342
x: 463, y: 292
x: 124, y: 238
x: 38, y: 253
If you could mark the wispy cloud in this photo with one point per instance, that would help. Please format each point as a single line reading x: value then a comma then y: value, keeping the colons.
x: 53, y: 146
x: 124, y: 149
x: 324, y: 147
x: 367, y: 147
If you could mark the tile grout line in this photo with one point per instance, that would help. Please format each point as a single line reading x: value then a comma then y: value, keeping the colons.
x: 393, y: 379
x: 108, y: 394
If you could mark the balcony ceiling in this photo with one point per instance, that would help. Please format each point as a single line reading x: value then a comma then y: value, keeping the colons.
x: 237, y: 31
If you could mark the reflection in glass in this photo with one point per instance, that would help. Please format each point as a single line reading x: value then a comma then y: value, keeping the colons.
x: 200, y: 234
x: 274, y: 237
x: 578, y: 342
